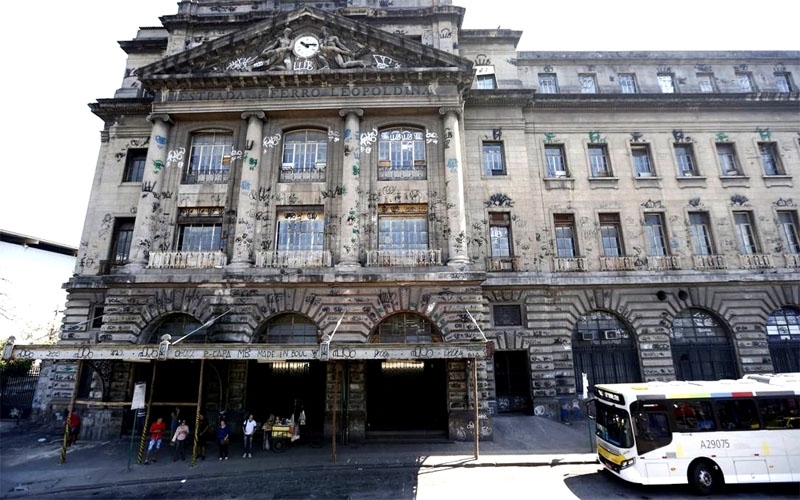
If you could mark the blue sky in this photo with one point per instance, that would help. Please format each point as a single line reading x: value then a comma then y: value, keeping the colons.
x: 65, y: 59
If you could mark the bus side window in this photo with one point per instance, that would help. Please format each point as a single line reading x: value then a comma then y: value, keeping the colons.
x: 779, y: 412
x: 693, y: 416
x: 737, y: 414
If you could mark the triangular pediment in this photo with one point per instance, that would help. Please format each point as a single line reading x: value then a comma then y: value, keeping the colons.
x: 306, y: 41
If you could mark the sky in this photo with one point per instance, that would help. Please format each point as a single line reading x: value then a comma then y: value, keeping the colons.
x: 64, y: 55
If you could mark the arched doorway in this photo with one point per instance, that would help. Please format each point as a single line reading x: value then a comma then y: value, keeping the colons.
x: 701, y: 347
x: 406, y: 397
x: 605, y: 350
x: 285, y: 388
x: 783, y: 337
x: 177, y: 381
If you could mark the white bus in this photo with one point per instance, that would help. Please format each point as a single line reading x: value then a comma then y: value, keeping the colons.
x: 704, y: 433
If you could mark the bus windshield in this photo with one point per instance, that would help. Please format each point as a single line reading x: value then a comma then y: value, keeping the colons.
x: 614, y: 425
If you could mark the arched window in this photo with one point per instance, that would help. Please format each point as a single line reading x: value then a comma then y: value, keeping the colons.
x: 305, y: 156
x: 701, y: 347
x: 405, y: 328
x: 290, y: 329
x: 605, y: 350
x: 178, y: 326
x: 209, y: 158
x: 783, y: 336
x: 401, y: 154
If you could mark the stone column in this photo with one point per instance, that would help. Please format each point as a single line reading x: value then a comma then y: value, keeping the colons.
x: 152, y: 182
x: 245, y: 226
x: 454, y: 177
x: 349, y: 230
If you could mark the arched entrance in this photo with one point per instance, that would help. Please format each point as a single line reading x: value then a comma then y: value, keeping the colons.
x: 406, y: 398
x: 177, y: 381
x: 783, y: 337
x: 701, y: 347
x: 605, y: 350
x: 286, y: 388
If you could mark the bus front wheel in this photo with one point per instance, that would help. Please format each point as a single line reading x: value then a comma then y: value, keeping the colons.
x: 705, y: 477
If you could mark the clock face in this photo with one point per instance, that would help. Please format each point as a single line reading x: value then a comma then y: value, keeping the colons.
x: 306, y: 46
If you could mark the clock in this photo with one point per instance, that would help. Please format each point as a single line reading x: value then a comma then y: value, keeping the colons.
x: 306, y: 46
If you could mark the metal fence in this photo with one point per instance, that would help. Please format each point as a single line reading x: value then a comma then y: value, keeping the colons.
x: 16, y: 393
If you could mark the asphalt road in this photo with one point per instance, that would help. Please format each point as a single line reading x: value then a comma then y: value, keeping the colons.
x: 584, y: 482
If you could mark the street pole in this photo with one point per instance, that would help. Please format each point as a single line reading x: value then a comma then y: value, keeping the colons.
x: 475, y: 404
x: 143, y: 441
x: 197, y: 417
x: 71, y: 408
x: 335, y: 404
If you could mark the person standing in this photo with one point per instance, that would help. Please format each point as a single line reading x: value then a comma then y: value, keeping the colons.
x: 202, y: 436
x: 249, y: 427
x: 175, y: 418
x: 74, y: 427
x: 156, y: 434
x: 179, y: 438
x: 223, y: 439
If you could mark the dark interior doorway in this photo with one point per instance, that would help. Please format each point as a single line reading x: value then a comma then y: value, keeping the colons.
x: 287, y: 388
x: 512, y: 382
x: 406, y: 398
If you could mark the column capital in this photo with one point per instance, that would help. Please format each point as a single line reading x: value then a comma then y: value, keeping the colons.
x: 348, y: 111
x: 164, y: 117
x: 254, y: 114
x: 444, y: 110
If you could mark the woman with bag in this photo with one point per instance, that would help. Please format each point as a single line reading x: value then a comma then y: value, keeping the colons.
x: 179, y: 438
x: 223, y: 439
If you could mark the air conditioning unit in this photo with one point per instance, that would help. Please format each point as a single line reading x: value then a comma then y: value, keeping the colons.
x: 560, y: 173
x: 610, y: 334
x: 587, y: 335
x: 644, y: 174
x: 287, y: 166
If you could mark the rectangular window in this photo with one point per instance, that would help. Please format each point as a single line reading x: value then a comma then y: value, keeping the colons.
x: 301, y: 230
x: 693, y: 416
x: 770, y: 159
x: 789, y: 228
x: 548, y: 84
x: 485, y: 82
x: 598, y: 161
x: 685, y: 158
x: 403, y: 227
x: 745, y: 233
x: 494, y: 159
x: 642, y: 162
x: 611, y: 234
x: 783, y: 82
x: 305, y: 156
x: 666, y: 83
x: 209, y: 159
x: 556, y: 162
x: 507, y: 315
x: 627, y: 83
x: 97, y: 316
x: 656, y: 236
x: 401, y: 154
x: 728, y: 162
x: 588, y: 84
x: 701, y: 233
x: 706, y: 83
x: 745, y: 81
x: 134, y: 165
x: 197, y: 237
x: 500, y: 234
x: 121, y: 245
x: 566, y: 246
x: 778, y: 412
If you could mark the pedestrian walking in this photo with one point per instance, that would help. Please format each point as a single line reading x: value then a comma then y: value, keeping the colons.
x: 156, y: 435
x: 179, y: 438
x: 249, y: 428
x: 223, y: 439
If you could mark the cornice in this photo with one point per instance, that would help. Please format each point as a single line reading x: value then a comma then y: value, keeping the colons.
x: 144, y: 46
x: 110, y: 109
x: 767, y: 100
x: 503, y: 98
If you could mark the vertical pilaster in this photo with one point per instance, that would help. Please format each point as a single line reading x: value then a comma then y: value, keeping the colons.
x: 245, y: 226
x: 349, y: 230
x: 454, y: 177
x: 152, y: 181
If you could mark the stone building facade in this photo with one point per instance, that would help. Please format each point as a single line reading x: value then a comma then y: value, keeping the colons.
x: 401, y: 227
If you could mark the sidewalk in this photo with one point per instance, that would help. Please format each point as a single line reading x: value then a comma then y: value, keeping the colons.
x: 29, y: 467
